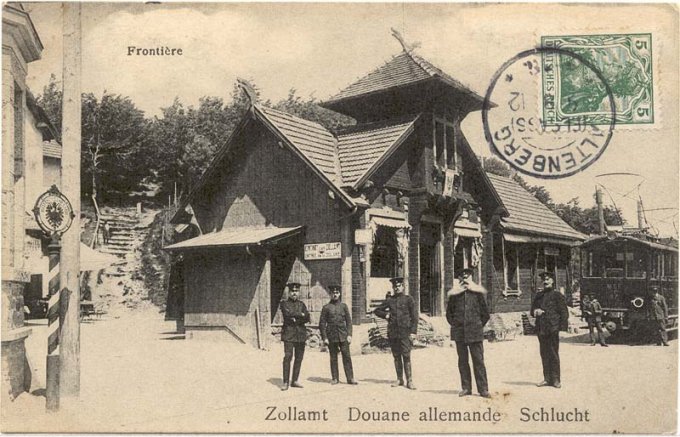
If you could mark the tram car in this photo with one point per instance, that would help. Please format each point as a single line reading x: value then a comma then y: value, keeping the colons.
x: 621, y: 271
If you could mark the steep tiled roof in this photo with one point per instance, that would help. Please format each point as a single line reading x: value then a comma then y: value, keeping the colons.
x: 405, y: 68
x: 312, y: 139
x: 361, y: 147
x: 527, y: 214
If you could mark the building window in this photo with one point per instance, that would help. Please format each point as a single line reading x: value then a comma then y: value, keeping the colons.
x: 385, y: 253
x: 18, y: 132
x: 439, y: 142
x: 445, y: 150
x: 451, y: 160
x: 511, y: 266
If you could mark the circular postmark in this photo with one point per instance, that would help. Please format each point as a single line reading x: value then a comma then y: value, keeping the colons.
x: 522, y: 127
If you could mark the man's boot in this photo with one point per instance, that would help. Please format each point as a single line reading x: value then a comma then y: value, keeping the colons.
x: 400, y: 372
x: 409, y: 375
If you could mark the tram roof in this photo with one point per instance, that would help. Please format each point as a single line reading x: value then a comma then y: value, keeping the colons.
x: 624, y: 238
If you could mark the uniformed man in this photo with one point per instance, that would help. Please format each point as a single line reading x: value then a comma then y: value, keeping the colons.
x: 402, y: 317
x: 660, y: 315
x: 294, y: 334
x: 593, y: 312
x: 335, y: 325
x: 550, y: 309
x: 467, y: 313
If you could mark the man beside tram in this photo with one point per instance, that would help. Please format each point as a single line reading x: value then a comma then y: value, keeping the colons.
x: 659, y: 313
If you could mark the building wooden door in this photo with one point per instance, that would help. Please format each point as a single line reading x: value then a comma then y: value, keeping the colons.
x: 282, y: 260
x: 430, y: 272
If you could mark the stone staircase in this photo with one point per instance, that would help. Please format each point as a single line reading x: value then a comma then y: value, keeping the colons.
x: 120, y: 283
x: 126, y: 235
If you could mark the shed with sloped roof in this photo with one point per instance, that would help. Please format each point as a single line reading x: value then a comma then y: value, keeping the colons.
x: 530, y: 239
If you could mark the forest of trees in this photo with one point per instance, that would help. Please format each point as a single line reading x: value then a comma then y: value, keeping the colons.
x: 124, y: 152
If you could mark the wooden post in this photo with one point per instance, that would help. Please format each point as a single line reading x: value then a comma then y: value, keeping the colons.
x: 53, y: 325
x: 346, y: 272
x: 69, y: 353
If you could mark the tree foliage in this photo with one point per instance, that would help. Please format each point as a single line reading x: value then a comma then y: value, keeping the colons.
x: 310, y: 110
x: 114, y: 159
x: 114, y: 154
x: 50, y: 100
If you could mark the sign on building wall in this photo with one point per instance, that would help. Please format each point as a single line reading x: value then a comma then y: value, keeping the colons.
x: 363, y: 236
x: 322, y: 251
x: 553, y: 251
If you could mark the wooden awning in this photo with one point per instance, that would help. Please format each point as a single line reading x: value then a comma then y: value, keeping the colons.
x: 389, y: 222
x: 237, y: 237
x: 517, y: 238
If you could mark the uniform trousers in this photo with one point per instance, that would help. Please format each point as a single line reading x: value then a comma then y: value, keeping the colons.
x: 550, y: 356
x: 343, y: 348
x: 400, y: 347
x: 477, y: 352
x: 401, y: 351
x: 662, y: 337
x: 600, y: 333
x: 288, y: 348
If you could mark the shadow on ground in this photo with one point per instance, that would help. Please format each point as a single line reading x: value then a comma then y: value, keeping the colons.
x: 519, y: 383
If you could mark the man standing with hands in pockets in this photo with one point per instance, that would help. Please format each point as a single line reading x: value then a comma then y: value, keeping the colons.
x: 335, y: 325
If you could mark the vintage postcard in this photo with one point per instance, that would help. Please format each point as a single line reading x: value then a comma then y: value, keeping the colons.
x: 359, y: 218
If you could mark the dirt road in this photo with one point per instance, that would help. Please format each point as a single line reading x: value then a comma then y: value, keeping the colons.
x: 138, y: 375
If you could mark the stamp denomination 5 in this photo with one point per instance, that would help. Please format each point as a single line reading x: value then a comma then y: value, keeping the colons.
x: 517, y: 129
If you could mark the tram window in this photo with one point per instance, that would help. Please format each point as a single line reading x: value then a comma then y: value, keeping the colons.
x: 670, y: 268
x: 591, y: 264
x: 635, y: 264
x: 654, y: 273
x: 614, y: 263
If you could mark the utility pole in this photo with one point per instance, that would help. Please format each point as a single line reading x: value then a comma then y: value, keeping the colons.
x: 600, y: 210
x: 69, y: 366
x: 642, y: 223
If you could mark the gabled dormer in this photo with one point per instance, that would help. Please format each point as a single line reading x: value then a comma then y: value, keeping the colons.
x: 440, y: 159
x: 406, y: 84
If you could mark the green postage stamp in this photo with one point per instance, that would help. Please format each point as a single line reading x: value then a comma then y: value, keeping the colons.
x: 572, y: 92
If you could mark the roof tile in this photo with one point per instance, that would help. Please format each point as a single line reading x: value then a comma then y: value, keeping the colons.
x: 528, y: 214
x: 360, y: 147
x: 403, y: 69
x: 312, y: 139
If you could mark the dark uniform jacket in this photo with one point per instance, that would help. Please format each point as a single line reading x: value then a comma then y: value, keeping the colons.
x: 659, y: 308
x: 295, y: 315
x: 467, y: 313
x: 335, y: 323
x: 556, y: 317
x: 403, y: 317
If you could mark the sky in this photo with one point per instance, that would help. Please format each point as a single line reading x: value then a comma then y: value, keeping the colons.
x: 318, y: 49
